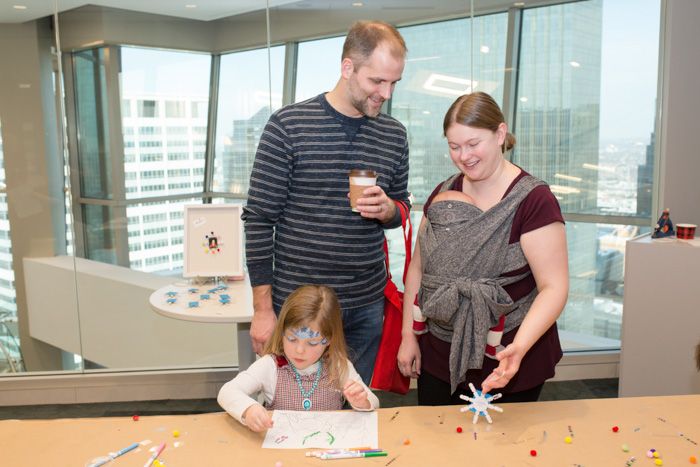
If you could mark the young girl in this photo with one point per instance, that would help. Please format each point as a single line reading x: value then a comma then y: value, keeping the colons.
x: 305, y: 366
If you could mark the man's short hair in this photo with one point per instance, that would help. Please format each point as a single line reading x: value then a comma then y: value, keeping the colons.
x: 364, y: 36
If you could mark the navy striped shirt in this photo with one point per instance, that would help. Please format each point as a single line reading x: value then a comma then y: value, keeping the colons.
x: 298, y: 221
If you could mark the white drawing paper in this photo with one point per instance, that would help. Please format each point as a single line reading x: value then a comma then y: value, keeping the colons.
x: 322, y: 430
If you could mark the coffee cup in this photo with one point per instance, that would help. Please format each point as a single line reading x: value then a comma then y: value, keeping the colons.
x: 359, y: 181
x: 685, y: 231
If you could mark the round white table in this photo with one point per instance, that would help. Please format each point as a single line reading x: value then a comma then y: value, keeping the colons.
x: 225, y: 302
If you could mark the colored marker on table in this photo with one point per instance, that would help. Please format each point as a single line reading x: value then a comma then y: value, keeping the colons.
x: 155, y: 455
x: 351, y: 455
x: 113, y: 456
x: 341, y: 451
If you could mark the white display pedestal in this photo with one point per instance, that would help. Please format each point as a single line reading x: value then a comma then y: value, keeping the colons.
x: 661, y: 319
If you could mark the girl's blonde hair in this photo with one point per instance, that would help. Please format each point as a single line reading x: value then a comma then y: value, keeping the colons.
x: 315, y: 304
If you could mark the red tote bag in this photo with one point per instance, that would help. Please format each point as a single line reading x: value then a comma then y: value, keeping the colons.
x: 386, y: 376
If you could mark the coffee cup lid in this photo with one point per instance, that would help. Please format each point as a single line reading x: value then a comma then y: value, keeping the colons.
x: 362, y: 173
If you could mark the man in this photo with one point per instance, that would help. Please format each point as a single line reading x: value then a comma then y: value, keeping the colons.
x: 298, y: 222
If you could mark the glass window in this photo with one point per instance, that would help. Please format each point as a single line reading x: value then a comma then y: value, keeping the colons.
x: 591, y: 137
x: 318, y: 67
x: 199, y: 109
x: 160, y: 233
x: 175, y: 109
x: 245, y: 104
x: 148, y: 108
x: 93, y: 122
x: 10, y: 355
x: 146, y: 78
x: 437, y: 72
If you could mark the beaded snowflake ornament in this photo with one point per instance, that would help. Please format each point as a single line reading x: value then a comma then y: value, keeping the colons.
x: 480, y: 404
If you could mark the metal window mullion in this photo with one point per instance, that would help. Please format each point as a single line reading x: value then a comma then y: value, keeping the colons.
x: 118, y: 217
x: 209, y: 154
x: 606, y: 219
x: 289, y: 88
x: 659, y: 172
x: 79, y: 248
x: 512, y: 63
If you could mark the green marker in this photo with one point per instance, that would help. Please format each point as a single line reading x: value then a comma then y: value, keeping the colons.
x: 351, y: 455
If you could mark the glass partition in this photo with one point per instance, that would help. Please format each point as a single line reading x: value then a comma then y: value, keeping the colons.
x: 164, y: 107
x: 33, y: 215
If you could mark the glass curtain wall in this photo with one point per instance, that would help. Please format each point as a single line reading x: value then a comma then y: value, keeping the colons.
x: 245, y: 103
x: 585, y: 113
x: 10, y: 351
x: 174, y: 118
x: 164, y: 127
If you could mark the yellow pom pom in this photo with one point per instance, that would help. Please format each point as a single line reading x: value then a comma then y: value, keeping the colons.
x: 658, y: 462
x: 567, y: 440
x: 176, y: 433
x: 656, y: 454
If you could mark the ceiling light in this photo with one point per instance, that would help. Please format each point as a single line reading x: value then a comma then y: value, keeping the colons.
x: 574, y: 64
x: 568, y: 177
x: 519, y: 4
x: 449, y: 85
x: 484, y: 49
x: 523, y: 99
x: 426, y: 112
x: 19, y: 7
x: 191, y: 6
x: 598, y: 167
x: 564, y: 190
x: 358, y: 4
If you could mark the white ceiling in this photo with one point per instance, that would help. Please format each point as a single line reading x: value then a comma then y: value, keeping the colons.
x: 208, y: 10
x: 204, y: 10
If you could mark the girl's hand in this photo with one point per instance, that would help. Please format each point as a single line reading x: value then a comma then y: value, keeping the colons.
x: 408, y: 357
x: 257, y: 418
x: 509, y: 359
x: 356, y: 395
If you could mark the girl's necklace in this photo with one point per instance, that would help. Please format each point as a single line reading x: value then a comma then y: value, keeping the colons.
x: 306, y: 401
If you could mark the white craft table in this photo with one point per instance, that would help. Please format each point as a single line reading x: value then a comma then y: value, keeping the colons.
x: 211, y: 310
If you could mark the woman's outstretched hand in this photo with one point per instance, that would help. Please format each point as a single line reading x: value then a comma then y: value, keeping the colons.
x: 509, y: 359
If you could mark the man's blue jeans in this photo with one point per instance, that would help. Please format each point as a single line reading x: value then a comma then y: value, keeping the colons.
x: 363, y: 331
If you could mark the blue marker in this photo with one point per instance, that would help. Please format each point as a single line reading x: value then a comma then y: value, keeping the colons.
x: 193, y: 304
x: 113, y: 456
x: 171, y: 300
x: 204, y: 296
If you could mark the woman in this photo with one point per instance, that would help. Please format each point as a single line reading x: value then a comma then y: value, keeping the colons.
x: 490, y: 274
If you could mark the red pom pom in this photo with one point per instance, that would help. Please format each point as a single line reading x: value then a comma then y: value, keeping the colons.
x: 136, y: 418
x: 615, y: 429
x: 533, y: 453
x: 459, y: 429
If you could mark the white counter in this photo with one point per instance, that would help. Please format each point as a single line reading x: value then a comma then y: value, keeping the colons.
x: 102, y: 312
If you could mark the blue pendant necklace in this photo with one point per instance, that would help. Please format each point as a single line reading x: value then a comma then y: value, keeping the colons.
x: 306, y: 401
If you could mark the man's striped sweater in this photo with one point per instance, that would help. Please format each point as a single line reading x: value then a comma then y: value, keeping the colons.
x: 298, y: 222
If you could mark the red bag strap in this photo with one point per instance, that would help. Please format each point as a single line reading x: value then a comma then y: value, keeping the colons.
x: 407, y: 230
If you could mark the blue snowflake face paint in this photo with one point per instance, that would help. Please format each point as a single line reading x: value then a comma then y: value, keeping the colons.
x: 306, y: 333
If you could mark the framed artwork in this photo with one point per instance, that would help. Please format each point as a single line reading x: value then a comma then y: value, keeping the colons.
x: 213, y: 240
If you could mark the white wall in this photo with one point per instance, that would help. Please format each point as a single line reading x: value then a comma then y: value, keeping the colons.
x: 680, y: 127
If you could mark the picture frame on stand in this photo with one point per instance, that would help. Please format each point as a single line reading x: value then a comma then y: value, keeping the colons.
x: 213, y: 241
